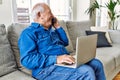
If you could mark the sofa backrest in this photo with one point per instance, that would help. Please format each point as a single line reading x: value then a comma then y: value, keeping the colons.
x: 77, y: 29
x: 72, y: 29
x: 14, y: 31
x: 7, y: 61
x: 70, y: 46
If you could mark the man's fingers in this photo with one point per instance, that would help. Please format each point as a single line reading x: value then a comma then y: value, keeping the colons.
x: 65, y: 58
x: 69, y: 59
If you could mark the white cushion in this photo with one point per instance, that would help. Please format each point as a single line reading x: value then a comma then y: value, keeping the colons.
x: 115, y: 36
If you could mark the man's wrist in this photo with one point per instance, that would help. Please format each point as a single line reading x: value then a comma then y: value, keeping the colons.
x: 57, y: 27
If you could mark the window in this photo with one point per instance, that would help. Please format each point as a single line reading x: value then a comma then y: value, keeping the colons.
x: 101, y: 15
x: 102, y: 18
x: 60, y: 8
x: 23, y: 11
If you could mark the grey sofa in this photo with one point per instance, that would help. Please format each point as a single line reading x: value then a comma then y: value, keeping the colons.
x: 11, y: 69
x: 8, y: 67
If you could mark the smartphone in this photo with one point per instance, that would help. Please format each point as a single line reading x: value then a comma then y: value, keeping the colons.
x: 54, y: 21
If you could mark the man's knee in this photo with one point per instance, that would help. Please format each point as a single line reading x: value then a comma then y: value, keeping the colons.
x: 85, y: 69
x: 95, y: 63
x: 88, y: 71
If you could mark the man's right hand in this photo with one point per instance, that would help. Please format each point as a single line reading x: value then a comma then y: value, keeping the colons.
x: 55, y: 23
x: 65, y: 59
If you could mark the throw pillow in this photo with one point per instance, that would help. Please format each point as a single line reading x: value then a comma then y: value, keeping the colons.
x: 115, y: 36
x: 14, y: 31
x: 102, y: 40
x: 77, y: 29
x: 70, y: 46
x: 102, y: 29
x: 7, y: 62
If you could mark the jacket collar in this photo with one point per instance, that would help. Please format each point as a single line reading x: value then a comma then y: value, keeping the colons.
x: 37, y: 25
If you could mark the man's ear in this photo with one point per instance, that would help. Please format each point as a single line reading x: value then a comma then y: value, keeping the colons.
x: 39, y: 14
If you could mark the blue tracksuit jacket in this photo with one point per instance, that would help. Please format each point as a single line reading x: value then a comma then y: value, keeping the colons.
x: 39, y: 47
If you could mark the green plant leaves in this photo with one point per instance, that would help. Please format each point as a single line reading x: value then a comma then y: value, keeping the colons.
x: 111, y: 9
x: 110, y: 6
x: 92, y: 8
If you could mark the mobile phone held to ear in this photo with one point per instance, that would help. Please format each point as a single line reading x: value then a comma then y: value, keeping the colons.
x: 54, y: 21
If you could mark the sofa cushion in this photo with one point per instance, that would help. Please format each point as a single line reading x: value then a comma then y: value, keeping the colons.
x: 115, y: 36
x: 17, y: 75
x: 116, y: 54
x: 101, y: 40
x: 69, y: 47
x: 27, y: 71
x: 7, y: 62
x: 110, y: 56
x: 77, y: 29
x: 14, y: 30
x: 107, y: 61
x: 114, y: 51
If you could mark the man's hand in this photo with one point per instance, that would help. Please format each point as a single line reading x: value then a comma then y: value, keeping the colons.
x: 56, y: 23
x: 68, y: 59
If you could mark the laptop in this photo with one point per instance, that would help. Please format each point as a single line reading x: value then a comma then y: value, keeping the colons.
x: 85, y: 51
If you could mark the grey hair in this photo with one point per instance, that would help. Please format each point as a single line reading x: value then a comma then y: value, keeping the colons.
x: 35, y: 11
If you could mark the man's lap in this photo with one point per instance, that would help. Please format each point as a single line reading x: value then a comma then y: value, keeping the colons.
x: 63, y: 73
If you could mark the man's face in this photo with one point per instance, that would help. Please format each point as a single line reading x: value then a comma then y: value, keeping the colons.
x: 47, y: 17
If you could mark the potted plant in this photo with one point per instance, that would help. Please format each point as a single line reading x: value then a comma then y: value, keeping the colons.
x: 113, y: 15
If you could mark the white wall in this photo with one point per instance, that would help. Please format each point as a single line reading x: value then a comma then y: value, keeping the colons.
x: 6, y: 12
x: 79, y: 8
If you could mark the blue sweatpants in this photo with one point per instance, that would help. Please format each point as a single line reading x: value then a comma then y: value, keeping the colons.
x: 92, y: 70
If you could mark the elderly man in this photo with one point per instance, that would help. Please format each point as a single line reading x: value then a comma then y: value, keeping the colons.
x: 41, y: 47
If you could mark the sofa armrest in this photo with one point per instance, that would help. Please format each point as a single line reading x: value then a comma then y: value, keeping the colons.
x: 115, y: 36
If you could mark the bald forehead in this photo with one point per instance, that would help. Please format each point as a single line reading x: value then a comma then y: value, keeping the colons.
x: 45, y: 6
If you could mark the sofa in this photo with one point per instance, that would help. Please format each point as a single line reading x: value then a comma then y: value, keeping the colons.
x: 11, y: 69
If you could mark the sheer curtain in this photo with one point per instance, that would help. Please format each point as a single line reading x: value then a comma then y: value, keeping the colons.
x: 22, y: 9
x: 101, y: 15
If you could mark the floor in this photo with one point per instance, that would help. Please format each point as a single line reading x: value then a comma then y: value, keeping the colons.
x: 117, y: 77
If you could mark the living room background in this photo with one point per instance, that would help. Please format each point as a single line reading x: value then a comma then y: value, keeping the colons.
x: 76, y: 11
x: 102, y: 17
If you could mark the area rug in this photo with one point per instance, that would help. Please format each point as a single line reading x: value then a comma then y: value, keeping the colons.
x: 117, y: 77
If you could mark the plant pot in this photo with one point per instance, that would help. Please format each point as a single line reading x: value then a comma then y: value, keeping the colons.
x: 112, y: 25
